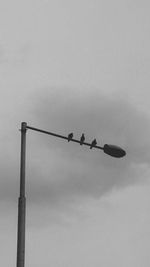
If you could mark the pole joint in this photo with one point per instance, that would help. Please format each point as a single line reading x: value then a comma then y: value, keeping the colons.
x: 23, y: 127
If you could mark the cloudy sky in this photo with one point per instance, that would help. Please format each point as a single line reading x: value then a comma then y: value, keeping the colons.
x: 80, y: 66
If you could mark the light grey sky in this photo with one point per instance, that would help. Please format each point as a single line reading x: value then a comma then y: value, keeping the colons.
x: 80, y: 66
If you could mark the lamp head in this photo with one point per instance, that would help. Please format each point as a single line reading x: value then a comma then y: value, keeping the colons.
x: 114, y: 151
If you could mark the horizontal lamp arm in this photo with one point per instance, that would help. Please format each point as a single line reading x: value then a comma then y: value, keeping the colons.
x: 61, y: 136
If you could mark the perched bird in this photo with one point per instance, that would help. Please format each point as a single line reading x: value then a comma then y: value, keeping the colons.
x: 70, y: 136
x: 82, y: 139
x: 94, y: 143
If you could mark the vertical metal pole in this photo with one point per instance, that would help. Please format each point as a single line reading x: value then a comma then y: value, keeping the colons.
x: 22, y: 201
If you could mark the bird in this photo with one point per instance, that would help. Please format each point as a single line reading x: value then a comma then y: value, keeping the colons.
x: 94, y: 142
x: 70, y: 136
x: 82, y: 139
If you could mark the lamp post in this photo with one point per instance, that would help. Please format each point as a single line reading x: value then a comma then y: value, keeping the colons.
x: 111, y: 150
x: 22, y: 201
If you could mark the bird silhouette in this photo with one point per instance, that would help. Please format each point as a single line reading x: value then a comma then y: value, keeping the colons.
x: 70, y: 136
x: 82, y: 139
x: 94, y: 142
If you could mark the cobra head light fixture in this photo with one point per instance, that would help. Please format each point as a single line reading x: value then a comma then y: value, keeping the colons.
x: 114, y: 151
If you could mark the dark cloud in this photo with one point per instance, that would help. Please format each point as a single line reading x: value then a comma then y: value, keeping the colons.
x: 59, y: 173
x: 75, y: 171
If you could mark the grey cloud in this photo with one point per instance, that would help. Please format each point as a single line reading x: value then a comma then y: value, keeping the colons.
x: 60, y: 173
x: 78, y: 172
x: 114, y: 119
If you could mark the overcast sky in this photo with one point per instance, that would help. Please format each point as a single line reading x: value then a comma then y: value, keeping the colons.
x: 81, y: 67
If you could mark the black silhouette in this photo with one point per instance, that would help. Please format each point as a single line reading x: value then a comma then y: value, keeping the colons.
x: 70, y: 136
x: 82, y: 139
x: 94, y: 143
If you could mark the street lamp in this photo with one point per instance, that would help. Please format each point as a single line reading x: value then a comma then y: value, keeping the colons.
x: 111, y: 150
